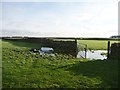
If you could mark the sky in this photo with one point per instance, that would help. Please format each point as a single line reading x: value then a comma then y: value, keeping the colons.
x: 84, y: 18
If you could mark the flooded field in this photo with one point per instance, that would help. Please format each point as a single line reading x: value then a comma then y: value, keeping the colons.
x: 93, y: 54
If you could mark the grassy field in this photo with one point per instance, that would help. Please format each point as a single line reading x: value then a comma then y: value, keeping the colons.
x: 92, y: 44
x: 23, y: 69
x: 19, y: 44
x: 96, y: 44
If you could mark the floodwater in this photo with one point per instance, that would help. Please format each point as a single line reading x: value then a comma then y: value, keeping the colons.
x: 93, y: 54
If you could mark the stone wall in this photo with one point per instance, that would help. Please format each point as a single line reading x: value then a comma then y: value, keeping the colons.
x: 63, y: 47
x: 115, y: 51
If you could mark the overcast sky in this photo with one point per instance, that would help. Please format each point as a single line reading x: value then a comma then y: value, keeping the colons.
x: 85, y: 18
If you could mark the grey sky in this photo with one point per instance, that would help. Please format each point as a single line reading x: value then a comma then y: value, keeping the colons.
x: 73, y: 19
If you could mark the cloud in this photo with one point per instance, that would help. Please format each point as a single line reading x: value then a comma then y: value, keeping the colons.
x: 62, y: 19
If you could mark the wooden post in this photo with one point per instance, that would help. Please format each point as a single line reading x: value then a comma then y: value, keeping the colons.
x: 76, y: 46
x: 85, y: 51
x: 108, y: 50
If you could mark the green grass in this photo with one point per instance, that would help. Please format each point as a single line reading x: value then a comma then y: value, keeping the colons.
x: 23, y: 69
x: 19, y: 44
x: 96, y: 44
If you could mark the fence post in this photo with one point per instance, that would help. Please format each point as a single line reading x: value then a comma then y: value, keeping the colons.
x: 108, y: 50
x: 85, y: 51
x: 76, y: 46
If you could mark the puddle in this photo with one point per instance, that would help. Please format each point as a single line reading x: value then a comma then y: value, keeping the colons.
x: 93, y: 54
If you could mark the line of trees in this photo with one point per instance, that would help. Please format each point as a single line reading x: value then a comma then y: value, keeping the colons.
x: 115, y: 36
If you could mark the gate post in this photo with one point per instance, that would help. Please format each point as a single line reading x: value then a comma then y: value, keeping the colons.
x: 76, y: 46
x: 85, y: 51
x: 108, y: 50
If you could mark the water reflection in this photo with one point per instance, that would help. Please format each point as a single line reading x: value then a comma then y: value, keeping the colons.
x: 93, y: 54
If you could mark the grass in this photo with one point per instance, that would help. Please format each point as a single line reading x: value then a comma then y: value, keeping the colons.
x: 96, y: 44
x: 92, y: 44
x: 19, y: 44
x: 23, y: 69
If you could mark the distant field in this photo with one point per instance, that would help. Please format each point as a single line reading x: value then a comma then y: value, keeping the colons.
x: 19, y: 44
x: 96, y: 44
x: 23, y: 69
x: 92, y: 44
